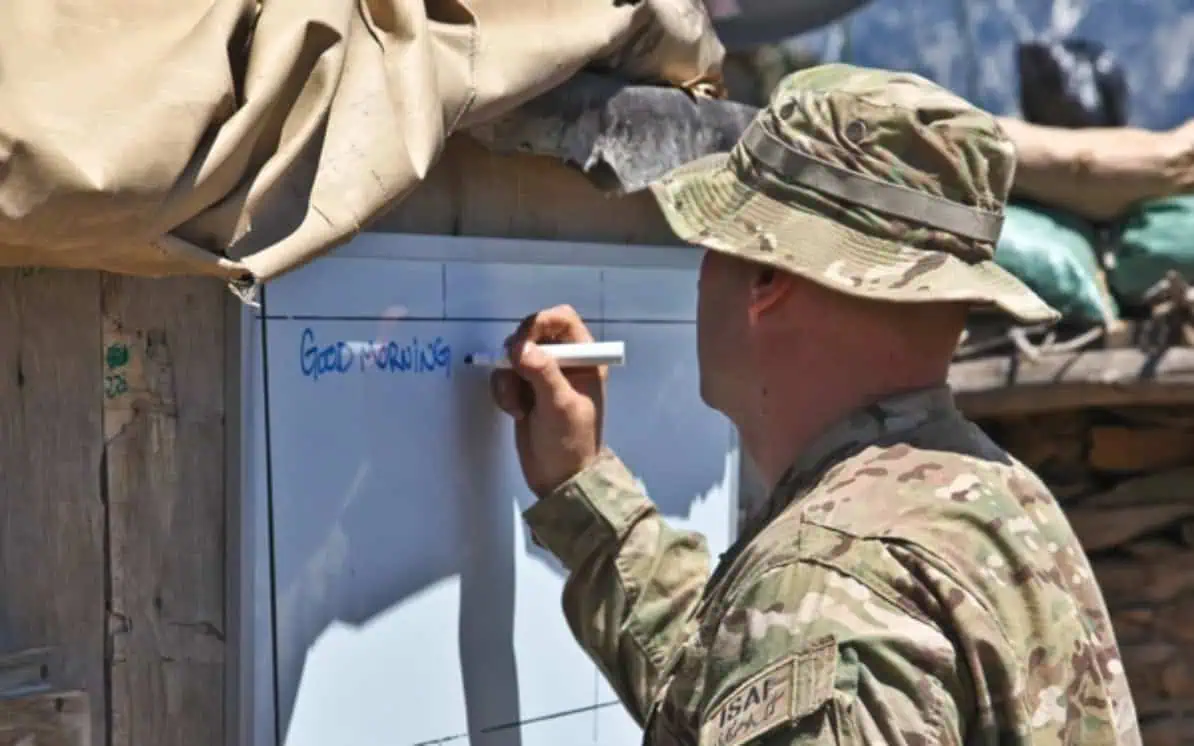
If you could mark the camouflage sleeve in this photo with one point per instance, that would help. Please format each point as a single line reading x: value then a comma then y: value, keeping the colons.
x: 633, y: 580
x: 806, y: 656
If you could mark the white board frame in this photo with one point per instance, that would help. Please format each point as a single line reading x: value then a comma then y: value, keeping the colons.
x: 250, y: 711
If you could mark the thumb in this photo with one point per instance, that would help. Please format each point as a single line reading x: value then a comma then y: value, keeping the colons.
x: 540, y: 370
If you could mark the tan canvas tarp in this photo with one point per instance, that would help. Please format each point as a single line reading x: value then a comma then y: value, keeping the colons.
x: 152, y: 136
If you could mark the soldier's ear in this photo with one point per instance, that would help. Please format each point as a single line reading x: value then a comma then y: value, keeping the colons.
x: 769, y: 288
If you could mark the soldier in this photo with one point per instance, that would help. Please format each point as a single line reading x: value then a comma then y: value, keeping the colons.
x: 906, y: 582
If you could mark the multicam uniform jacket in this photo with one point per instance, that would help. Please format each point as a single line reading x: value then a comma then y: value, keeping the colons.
x: 907, y: 583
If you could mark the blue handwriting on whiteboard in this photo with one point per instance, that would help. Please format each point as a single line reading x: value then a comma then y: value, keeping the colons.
x: 341, y: 356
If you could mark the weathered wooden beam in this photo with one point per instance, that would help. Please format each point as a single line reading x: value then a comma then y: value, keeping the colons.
x: 1175, y: 730
x: 1104, y: 528
x: 52, y: 500
x: 1174, y: 485
x: 1169, y: 622
x: 1146, y: 579
x: 32, y: 712
x: 46, y: 719
x: 475, y: 192
x: 26, y: 672
x: 1011, y: 385
x: 1054, y: 445
x: 1118, y: 448
x: 164, y: 426
x: 1160, y: 674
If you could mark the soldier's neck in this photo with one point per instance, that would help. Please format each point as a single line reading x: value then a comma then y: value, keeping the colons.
x: 788, y: 421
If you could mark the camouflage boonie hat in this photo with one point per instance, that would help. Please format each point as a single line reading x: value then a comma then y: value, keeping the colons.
x: 875, y: 183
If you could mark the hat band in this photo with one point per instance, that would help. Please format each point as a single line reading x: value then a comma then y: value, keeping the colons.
x: 800, y: 168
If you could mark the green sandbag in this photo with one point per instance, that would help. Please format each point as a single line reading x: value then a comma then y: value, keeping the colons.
x: 1158, y: 236
x: 1053, y: 253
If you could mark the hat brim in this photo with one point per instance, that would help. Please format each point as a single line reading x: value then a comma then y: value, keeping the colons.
x: 706, y: 204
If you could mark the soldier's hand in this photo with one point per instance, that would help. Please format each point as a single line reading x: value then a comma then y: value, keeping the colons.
x: 558, y: 414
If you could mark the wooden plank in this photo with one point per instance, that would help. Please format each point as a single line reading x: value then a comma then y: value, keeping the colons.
x: 1171, y: 622
x: 1176, y: 730
x: 1052, y: 444
x: 1134, y: 626
x: 1160, y: 488
x: 1115, y: 448
x: 1160, y: 675
x: 1007, y: 385
x: 164, y: 425
x: 1145, y: 579
x: 26, y: 671
x: 473, y: 192
x: 50, y: 719
x: 52, y: 562
x: 1106, y: 528
x: 1175, y: 622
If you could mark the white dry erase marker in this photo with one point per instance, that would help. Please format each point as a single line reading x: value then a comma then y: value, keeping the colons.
x: 571, y: 355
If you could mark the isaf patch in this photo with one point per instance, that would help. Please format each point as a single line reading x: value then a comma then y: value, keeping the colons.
x: 782, y: 693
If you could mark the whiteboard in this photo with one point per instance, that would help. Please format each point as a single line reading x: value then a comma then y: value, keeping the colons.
x: 388, y: 590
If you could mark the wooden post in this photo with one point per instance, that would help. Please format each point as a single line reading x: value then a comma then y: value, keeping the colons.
x: 112, y: 508
x: 163, y: 343
x: 49, y: 719
x: 53, y: 564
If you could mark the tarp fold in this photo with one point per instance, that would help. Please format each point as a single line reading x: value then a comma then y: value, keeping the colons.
x: 238, y: 138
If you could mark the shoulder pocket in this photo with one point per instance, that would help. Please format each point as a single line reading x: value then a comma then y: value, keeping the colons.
x: 782, y: 693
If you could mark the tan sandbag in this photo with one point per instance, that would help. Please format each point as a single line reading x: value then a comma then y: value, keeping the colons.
x: 1100, y: 172
x: 175, y: 136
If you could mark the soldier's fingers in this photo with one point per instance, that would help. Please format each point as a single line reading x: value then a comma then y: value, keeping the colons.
x: 505, y: 387
x: 557, y: 324
x: 542, y: 372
